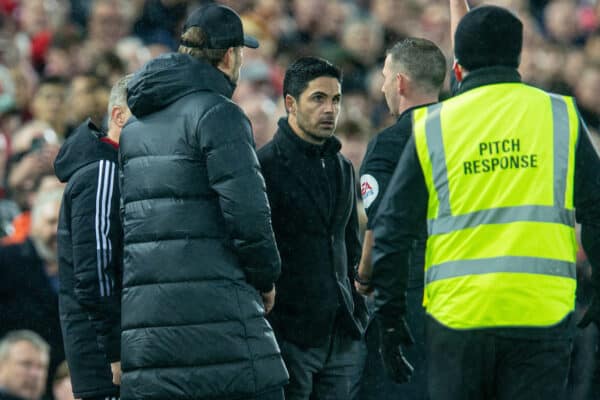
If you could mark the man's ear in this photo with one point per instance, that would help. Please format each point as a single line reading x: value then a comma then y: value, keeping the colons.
x: 225, y: 63
x: 119, y: 116
x: 401, y: 83
x: 290, y: 104
x: 458, y: 71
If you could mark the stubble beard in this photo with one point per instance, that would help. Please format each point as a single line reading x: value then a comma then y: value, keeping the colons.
x: 315, y: 135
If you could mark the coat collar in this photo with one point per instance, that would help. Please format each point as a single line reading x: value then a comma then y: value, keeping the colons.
x: 331, y: 146
x: 488, y: 76
x: 295, y: 152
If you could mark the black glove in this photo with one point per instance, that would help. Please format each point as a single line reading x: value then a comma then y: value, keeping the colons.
x: 592, y: 314
x: 392, y: 339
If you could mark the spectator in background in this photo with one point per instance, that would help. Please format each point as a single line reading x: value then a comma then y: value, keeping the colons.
x: 256, y: 76
x: 107, y: 23
x: 260, y: 109
x: 586, y: 91
x: 29, y: 278
x: 62, y: 57
x: 90, y: 252
x: 159, y: 22
x: 109, y: 68
x: 30, y: 150
x: 319, y: 318
x: 362, y: 41
x: 388, y: 13
x: 34, y: 148
x: 25, y: 81
x: 24, y: 357
x: 82, y: 101
x: 562, y: 23
x: 47, y: 104
x: 592, y: 47
x: 36, y: 31
x: 353, y: 134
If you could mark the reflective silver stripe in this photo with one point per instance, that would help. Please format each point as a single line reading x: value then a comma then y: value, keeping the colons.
x: 502, y: 215
x: 437, y: 156
x: 529, y: 265
x: 445, y: 222
x: 560, y: 121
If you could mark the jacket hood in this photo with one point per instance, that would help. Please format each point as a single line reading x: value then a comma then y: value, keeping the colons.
x: 81, y: 148
x: 167, y: 78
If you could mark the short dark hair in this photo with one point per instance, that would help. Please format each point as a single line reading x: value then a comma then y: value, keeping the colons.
x: 422, y: 61
x: 193, y: 42
x: 305, y: 69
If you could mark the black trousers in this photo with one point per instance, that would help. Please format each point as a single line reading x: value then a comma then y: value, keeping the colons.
x: 328, y: 372
x: 271, y: 395
x: 482, y: 365
x: 375, y: 383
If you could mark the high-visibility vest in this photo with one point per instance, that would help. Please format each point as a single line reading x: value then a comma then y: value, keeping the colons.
x: 498, y: 162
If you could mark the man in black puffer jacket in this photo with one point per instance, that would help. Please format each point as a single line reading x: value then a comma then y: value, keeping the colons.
x: 90, y: 252
x: 200, y: 256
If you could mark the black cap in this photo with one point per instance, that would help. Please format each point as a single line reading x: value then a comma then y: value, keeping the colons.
x: 487, y: 36
x: 222, y: 26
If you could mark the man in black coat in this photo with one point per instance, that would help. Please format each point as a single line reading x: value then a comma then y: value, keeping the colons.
x: 89, y: 251
x: 319, y: 317
x: 200, y: 256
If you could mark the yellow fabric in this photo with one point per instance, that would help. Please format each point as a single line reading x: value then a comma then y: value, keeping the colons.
x: 510, y: 129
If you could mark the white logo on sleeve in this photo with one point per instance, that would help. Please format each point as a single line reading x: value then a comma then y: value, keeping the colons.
x: 369, y: 189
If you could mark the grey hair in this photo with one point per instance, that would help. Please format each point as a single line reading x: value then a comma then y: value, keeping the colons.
x: 118, y: 94
x: 24, y: 335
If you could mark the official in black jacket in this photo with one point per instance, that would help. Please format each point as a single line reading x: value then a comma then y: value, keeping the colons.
x: 413, y: 72
x: 90, y: 252
x: 200, y: 256
x: 318, y: 318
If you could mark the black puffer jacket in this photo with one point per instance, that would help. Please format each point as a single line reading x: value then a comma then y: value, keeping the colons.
x: 198, y: 241
x: 89, y: 253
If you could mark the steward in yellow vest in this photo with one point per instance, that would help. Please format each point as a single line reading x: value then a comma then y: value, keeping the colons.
x: 498, y: 173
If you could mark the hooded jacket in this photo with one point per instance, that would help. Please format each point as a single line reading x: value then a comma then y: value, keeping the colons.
x: 199, y: 246
x: 89, y: 253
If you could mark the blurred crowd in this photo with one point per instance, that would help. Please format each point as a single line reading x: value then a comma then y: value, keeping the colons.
x: 59, y: 58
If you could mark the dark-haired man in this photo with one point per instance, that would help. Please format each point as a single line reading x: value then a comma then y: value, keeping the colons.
x: 498, y: 175
x: 413, y: 73
x: 200, y: 256
x: 319, y: 318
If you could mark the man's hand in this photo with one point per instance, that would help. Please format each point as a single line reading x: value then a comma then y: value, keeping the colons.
x: 362, y: 286
x: 268, y: 300
x: 362, y: 275
x: 392, y: 340
x: 115, y: 368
